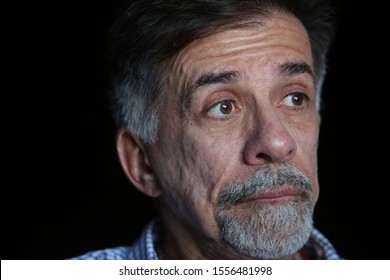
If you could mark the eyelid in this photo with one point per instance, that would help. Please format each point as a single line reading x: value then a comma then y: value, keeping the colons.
x: 302, y: 92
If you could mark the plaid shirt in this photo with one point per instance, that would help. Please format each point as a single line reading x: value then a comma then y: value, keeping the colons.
x: 318, y: 247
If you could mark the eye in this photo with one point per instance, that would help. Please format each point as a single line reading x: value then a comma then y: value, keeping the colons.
x: 222, y: 109
x: 296, y: 99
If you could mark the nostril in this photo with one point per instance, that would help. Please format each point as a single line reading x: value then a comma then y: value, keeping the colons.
x: 263, y: 157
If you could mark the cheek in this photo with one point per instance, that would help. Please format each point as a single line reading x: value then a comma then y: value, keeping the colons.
x: 196, y: 164
x: 187, y: 167
x: 306, y: 135
x: 205, y: 160
x: 308, y: 147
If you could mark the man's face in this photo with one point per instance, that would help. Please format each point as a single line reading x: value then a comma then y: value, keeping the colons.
x: 235, y: 157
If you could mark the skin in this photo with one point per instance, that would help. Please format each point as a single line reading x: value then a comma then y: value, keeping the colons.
x: 212, y: 132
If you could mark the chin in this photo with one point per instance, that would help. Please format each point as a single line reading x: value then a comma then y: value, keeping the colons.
x: 267, y: 231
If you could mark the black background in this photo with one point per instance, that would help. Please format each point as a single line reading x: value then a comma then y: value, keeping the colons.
x: 63, y: 191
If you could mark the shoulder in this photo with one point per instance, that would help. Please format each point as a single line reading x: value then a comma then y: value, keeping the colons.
x: 116, y: 253
x: 320, y: 247
x: 142, y: 249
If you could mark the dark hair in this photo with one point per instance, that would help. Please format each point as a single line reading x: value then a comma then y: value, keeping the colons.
x: 147, y: 34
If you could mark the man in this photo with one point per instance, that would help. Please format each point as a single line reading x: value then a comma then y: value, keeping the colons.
x: 217, y: 104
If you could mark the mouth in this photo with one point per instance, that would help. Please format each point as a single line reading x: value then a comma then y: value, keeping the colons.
x: 275, y: 197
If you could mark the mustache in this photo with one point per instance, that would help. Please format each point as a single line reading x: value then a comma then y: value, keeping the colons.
x: 267, y: 178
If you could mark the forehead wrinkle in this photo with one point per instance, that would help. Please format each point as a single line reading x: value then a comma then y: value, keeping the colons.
x: 252, y: 36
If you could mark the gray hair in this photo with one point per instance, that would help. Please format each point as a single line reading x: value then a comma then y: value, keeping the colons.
x: 148, y: 34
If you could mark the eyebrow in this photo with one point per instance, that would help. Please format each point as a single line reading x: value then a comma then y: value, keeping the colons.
x: 223, y: 77
x: 295, y: 68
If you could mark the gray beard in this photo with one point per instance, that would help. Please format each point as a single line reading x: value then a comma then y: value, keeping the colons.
x: 261, y: 230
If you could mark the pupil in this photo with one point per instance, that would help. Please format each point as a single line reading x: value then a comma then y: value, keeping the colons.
x: 297, y: 99
x: 226, y: 108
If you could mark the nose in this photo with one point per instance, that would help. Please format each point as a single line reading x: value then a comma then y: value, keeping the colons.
x: 269, y: 141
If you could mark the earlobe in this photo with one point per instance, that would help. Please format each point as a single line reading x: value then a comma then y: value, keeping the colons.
x: 135, y: 163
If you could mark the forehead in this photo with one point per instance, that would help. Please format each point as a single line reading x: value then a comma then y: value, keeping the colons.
x: 276, y: 39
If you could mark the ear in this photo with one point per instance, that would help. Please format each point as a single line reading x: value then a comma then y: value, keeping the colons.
x: 135, y: 163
